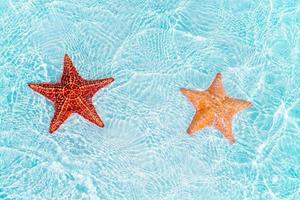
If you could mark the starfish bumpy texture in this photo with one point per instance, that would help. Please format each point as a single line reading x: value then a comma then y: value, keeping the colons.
x: 72, y: 94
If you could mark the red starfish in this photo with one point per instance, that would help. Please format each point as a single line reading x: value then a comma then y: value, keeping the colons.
x: 72, y: 94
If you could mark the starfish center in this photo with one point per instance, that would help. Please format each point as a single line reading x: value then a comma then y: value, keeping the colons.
x: 217, y: 102
x: 72, y: 91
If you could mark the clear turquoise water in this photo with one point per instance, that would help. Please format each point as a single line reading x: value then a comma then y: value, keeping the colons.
x: 152, y: 48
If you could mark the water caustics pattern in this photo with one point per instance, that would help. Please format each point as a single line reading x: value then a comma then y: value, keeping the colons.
x: 152, y: 49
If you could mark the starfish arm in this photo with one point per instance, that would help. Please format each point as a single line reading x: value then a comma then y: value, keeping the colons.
x: 234, y: 106
x: 201, y: 120
x: 216, y: 87
x: 88, y: 111
x: 89, y: 88
x: 199, y: 99
x: 61, y: 114
x: 225, y: 127
x: 70, y: 74
x: 48, y: 90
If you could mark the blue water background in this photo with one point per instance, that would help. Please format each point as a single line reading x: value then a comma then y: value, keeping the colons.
x: 152, y: 48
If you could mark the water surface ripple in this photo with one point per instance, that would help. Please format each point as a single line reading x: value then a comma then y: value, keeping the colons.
x: 152, y: 48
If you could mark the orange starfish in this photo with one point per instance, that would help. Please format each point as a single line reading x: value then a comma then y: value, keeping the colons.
x: 72, y: 94
x: 214, y: 108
